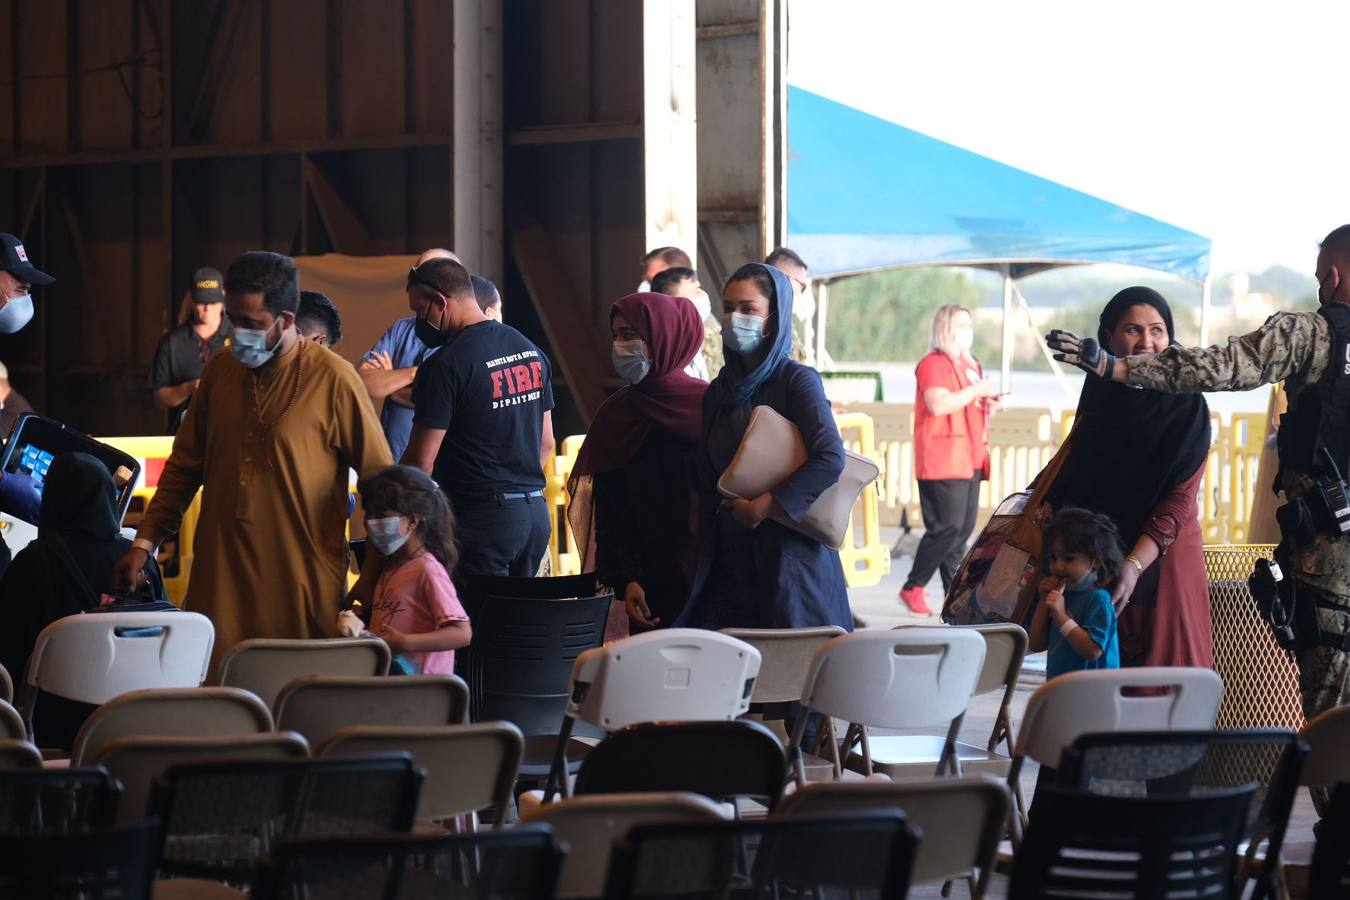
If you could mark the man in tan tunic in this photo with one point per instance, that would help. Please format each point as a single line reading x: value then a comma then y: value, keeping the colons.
x: 269, y: 437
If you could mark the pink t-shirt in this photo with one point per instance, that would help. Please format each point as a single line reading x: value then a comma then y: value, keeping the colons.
x: 415, y: 597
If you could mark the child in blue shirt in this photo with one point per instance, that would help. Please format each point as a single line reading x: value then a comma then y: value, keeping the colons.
x: 1075, y: 619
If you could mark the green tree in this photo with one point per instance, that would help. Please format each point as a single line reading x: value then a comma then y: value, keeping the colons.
x: 886, y: 316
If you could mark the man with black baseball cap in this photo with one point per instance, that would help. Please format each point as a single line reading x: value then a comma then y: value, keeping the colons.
x: 18, y: 276
x: 185, y: 350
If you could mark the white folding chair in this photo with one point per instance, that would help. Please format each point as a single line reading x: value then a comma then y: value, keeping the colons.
x: 469, y: 767
x: 92, y: 658
x: 671, y: 675
x: 138, y: 762
x: 590, y: 825
x: 961, y: 820
x: 785, y: 655
x: 19, y: 754
x: 318, y: 705
x: 900, y: 756
x: 11, y: 723
x: 170, y: 712
x: 902, y: 679
x: 1162, y: 698
x: 266, y: 665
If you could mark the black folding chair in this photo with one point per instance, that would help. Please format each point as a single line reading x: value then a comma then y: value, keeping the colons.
x: 219, y: 818
x: 1083, y: 845
x: 720, y: 760
x: 527, y: 633
x: 100, y: 864
x: 857, y: 857
x: 1194, y: 763
x: 56, y: 801
x: 518, y: 864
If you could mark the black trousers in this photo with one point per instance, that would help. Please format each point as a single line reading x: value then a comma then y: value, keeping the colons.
x: 505, y: 539
x: 949, y: 507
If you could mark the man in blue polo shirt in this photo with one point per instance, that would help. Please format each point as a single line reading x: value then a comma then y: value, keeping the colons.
x: 389, y: 368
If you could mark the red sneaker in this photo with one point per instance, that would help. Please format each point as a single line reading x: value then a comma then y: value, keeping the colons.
x: 913, y: 598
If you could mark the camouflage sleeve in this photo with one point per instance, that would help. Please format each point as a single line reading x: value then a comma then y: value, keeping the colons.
x: 1286, y: 344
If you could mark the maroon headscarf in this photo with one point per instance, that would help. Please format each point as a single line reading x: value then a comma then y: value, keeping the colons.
x: 667, y: 398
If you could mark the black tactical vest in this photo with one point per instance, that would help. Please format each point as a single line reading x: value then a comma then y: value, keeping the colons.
x: 1319, y: 415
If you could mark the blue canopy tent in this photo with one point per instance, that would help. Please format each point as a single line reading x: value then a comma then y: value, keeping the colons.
x: 865, y: 194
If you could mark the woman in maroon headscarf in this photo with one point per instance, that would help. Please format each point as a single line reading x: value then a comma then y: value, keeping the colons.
x: 634, y: 508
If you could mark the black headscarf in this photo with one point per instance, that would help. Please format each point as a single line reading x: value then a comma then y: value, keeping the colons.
x: 1131, y: 446
x: 79, y: 499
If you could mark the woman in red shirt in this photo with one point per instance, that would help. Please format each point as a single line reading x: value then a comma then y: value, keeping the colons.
x: 952, y: 404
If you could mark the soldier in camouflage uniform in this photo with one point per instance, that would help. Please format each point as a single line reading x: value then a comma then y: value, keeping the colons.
x: 1296, y: 348
x: 681, y: 281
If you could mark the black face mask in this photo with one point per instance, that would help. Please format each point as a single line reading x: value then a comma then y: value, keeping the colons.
x: 427, y: 333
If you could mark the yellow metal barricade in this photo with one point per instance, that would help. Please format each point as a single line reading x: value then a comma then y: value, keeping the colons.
x: 562, y: 546
x: 865, y: 556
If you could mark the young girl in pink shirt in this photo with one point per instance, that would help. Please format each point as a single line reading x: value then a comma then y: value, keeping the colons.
x: 405, y: 582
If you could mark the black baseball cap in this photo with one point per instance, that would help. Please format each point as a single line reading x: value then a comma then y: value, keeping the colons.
x: 208, y: 286
x: 14, y: 260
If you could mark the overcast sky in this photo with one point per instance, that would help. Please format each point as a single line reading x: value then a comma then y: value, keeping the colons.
x: 1226, y: 118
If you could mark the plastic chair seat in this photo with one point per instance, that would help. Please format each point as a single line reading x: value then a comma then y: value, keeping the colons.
x: 539, y: 750
x: 917, y: 755
x: 192, y: 889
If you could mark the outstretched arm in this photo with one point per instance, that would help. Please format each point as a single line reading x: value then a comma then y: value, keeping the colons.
x: 1286, y: 344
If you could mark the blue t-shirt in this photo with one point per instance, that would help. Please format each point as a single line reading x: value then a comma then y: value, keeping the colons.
x: 404, y: 348
x: 1094, y: 613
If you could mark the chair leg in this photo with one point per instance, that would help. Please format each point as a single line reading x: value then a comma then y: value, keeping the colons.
x: 557, y: 773
x: 949, y: 756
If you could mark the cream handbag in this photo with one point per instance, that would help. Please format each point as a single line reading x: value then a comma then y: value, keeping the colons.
x: 771, y: 450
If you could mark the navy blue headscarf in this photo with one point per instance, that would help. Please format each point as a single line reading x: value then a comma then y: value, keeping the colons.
x: 741, y: 378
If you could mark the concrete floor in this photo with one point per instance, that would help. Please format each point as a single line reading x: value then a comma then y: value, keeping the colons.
x: 880, y: 607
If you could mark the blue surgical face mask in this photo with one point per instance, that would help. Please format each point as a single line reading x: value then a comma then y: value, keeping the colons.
x: 385, y: 534
x: 743, y: 333
x: 17, y: 313
x: 630, y: 360
x: 249, y: 346
x: 1088, y: 580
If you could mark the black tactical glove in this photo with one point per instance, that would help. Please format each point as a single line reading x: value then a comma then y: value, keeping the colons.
x: 1085, y: 353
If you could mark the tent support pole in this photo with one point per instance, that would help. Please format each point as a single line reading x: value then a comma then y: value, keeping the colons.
x: 822, y: 315
x: 1005, y: 364
x: 1205, y: 296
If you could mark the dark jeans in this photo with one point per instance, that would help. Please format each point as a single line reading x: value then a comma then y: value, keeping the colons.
x: 949, y: 508
x: 503, y: 539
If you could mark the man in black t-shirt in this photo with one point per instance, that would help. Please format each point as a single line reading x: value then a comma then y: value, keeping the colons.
x: 482, y: 425
x: 184, y: 351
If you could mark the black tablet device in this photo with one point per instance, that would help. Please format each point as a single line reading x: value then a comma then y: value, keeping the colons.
x: 36, y: 440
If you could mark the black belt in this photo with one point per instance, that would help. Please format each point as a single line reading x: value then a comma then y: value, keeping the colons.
x: 495, y: 499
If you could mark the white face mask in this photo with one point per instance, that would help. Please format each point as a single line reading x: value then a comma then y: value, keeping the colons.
x: 963, y: 338
x: 703, y: 304
x: 386, y: 535
x: 631, y: 360
x: 17, y: 313
x: 644, y: 286
x: 742, y: 334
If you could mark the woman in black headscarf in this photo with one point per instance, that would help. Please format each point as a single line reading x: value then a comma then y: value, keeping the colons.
x: 1138, y: 456
x: 65, y: 571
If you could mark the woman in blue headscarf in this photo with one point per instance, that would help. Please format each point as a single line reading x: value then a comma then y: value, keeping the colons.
x: 753, y: 572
